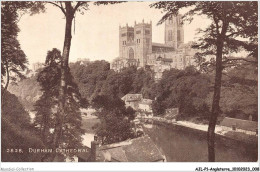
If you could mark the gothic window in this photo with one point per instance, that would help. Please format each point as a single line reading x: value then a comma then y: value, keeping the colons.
x: 179, y: 35
x: 131, y: 53
x: 170, y: 35
x: 138, y: 32
x: 124, y: 34
x: 147, y: 32
x: 170, y: 21
x: 147, y: 41
x: 130, y: 34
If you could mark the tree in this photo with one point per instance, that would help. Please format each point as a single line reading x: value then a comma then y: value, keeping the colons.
x: 91, y: 77
x: 184, y: 89
x: 115, y: 118
x: 69, y: 9
x: 47, y: 106
x: 239, y: 87
x: 17, y: 132
x: 13, y: 59
x: 229, y: 21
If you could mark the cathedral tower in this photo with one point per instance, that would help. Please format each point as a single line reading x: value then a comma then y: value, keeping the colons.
x: 174, y: 33
x: 143, y: 41
x: 136, y: 42
x: 126, y: 39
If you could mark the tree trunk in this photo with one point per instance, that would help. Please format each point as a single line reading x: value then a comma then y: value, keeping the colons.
x: 7, y: 77
x: 64, y: 69
x: 6, y: 86
x: 215, y: 105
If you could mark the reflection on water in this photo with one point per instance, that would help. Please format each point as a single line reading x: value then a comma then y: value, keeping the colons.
x: 87, y: 138
x: 184, y: 146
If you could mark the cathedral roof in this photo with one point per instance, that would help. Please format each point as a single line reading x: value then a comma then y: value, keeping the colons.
x: 163, y: 59
x: 161, y: 45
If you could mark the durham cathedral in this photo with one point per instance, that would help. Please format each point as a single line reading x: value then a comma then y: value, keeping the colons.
x: 137, y: 49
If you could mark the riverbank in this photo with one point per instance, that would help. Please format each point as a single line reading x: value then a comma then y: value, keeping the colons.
x: 242, y: 136
x: 183, y: 144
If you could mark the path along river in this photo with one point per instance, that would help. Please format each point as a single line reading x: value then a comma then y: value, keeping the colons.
x: 180, y: 144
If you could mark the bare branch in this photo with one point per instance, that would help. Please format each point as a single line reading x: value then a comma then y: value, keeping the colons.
x: 78, y: 5
x: 232, y: 34
x: 21, y: 15
x: 60, y: 7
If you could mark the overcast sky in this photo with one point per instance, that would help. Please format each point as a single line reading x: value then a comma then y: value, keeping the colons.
x: 96, y: 32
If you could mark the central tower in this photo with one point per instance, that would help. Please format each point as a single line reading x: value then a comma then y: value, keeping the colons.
x: 174, y: 33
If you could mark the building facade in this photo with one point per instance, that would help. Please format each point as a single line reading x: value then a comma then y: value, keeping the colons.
x: 137, y: 49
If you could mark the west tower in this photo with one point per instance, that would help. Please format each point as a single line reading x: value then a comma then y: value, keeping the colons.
x: 136, y: 42
x: 143, y: 41
x: 126, y: 40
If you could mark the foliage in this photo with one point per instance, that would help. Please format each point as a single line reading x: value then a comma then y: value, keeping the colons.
x: 240, y: 94
x: 96, y: 78
x: 47, y: 106
x: 13, y: 59
x: 90, y: 77
x: 185, y: 90
x: 230, y: 21
x: 17, y: 132
x: 115, y: 118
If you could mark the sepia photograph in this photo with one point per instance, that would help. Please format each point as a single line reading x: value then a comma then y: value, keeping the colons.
x: 130, y: 81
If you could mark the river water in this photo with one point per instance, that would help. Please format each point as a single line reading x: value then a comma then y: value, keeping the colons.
x: 182, y: 145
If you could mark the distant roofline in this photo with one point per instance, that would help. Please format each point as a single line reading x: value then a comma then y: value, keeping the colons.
x: 161, y: 45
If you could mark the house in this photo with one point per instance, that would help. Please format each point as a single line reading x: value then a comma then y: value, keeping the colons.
x: 141, y: 149
x: 137, y: 102
x: 234, y: 124
x: 146, y: 105
x: 132, y: 100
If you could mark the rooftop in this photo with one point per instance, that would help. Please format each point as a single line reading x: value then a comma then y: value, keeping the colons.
x: 147, y: 101
x: 132, y: 97
x: 161, y: 45
x: 141, y: 149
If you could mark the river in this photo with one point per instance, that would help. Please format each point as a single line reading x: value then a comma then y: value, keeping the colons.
x: 183, y: 145
x: 180, y: 144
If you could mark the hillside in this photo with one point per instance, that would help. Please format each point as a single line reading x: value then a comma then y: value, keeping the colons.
x: 28, y: 91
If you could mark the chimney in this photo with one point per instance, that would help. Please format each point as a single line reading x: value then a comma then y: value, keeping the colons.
x: 94, y: 146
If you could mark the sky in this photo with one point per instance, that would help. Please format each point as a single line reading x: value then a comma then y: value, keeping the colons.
x: 96, y: 34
